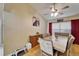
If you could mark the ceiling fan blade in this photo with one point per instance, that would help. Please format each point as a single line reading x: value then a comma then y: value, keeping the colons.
x: 65, y: 7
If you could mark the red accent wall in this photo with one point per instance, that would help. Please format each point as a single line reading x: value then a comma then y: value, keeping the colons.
x: 75, y: 30
x: 50, y: 28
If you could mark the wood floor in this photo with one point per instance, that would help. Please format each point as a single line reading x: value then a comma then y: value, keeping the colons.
x: 34, y: 51
x: 37, y: 52
x: 75, y: 50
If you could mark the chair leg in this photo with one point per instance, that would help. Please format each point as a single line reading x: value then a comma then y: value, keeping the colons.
x: 56, y: 53
x: 68, y: 52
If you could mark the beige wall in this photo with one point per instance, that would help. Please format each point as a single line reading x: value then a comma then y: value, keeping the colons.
x: 74, y: 17
x: 18, y: 26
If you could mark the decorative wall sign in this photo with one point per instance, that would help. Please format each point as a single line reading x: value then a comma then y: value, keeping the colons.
x: 35, y: 21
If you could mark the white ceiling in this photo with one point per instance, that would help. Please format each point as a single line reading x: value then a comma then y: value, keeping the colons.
x: 44, y: 9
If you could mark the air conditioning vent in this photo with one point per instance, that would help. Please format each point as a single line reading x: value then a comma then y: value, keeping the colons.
x: 60, y: 20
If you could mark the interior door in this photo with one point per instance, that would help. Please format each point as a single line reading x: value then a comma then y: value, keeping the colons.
x: 0, y: 32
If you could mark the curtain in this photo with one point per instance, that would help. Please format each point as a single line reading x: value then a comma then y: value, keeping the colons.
x: 75, y: 30
x: 50, y: 28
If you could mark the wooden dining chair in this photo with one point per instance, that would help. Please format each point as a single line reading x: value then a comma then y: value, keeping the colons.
x: 46, y: 47
x: 69, y: 45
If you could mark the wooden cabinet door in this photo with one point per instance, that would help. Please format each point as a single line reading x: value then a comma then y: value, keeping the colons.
x: 34, y: 40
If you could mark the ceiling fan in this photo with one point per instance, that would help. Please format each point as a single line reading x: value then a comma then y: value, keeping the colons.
x: 55, y: 11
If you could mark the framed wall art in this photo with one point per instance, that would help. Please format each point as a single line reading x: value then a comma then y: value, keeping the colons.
x: 36, y: 21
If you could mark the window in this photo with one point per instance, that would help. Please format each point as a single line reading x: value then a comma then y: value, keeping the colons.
x: 61, y: 27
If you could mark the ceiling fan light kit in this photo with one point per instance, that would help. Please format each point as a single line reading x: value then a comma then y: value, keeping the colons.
x: 54, y: 14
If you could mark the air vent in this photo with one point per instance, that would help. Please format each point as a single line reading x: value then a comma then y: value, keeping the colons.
x: 60, y: 20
